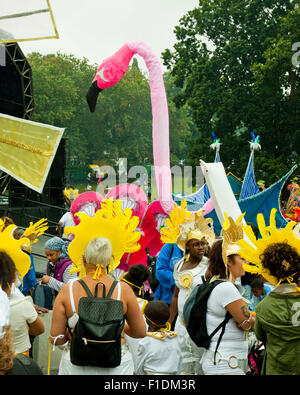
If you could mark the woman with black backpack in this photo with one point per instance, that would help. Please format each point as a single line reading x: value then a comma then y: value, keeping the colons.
x: 66, y: 314
x: 89, y: 315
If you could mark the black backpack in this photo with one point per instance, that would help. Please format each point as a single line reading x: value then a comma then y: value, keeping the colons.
x: 96, y: 339
x: 194, y: 313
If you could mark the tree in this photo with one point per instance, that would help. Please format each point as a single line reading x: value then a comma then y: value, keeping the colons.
x: 121, y: 126
x: 232, y: 58
x: 59, y: 82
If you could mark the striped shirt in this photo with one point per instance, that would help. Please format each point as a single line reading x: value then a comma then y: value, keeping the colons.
x: 57, y: 285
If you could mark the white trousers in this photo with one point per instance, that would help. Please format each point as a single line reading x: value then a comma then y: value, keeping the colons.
x: 228, y: 366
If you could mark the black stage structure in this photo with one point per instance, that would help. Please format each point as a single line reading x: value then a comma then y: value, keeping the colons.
x: 17, y: 201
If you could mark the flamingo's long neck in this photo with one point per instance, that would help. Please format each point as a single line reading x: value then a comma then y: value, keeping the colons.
x: 160, y: 124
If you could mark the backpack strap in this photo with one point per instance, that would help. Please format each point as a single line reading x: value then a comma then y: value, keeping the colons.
x: 228, y: 316
x: 96, y: 290
x: 222, y: 325
x: 204, y: 280
x: 86, y: 288
x: 114, y: 284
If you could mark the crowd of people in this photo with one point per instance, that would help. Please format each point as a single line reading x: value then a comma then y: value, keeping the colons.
x: 154, y: 337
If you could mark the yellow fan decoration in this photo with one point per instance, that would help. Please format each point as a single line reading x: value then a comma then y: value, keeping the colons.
x: 14, y: 248
x: 232, y: 233
x: 177, y: 217
x: 269, y: 235
x: 110, y: 222
x: 182, y: 226
x: 35, y: 230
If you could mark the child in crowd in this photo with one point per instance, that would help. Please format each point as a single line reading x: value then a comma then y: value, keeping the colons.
x: 159, y: 352
x: 259, y: 291
x: 59, y: 264
x: 135, y: 278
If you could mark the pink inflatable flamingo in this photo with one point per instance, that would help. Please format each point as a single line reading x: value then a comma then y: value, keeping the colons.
x: 135, y: 199
x: 108, y: 74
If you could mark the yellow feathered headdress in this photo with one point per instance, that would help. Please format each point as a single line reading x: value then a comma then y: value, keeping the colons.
x: 110, y: 222
x: 269, y: 235
x: 232, y: 233
x: 71, y: 194
x: 182, y: 226
x: 15, y: 248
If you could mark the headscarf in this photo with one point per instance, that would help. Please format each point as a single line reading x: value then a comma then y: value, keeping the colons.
x: 4, y: 312
x: 57, y: 244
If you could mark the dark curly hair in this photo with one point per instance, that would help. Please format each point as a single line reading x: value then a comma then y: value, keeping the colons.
x: 274, y: 256
x: 137, y: 275
x: 7, y: 271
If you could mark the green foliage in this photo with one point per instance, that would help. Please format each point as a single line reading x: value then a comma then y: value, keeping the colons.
x: 233, y: 63
x: 121, y: 126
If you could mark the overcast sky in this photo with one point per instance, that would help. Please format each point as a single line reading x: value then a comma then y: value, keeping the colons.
x: 95, y: 29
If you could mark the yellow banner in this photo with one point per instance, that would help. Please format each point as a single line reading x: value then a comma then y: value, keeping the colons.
x: 27, y: 150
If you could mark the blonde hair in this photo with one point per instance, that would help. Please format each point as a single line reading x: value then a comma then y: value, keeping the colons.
x: 98, y: 252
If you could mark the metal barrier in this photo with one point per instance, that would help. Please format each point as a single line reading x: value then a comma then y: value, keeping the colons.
x: 32, y: 210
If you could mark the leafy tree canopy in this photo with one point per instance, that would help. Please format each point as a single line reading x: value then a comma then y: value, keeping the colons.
x: 233, y: 63
x: 121, y: 126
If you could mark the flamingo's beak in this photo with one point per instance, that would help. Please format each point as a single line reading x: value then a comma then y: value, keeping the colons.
x: 109, y: 73
x: 92, y: 96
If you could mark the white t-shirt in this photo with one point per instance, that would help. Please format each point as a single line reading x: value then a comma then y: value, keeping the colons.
x: 67, y: 220
x: 233, y: 341
x: 196, y: 273
x: 133, y: 343
x: 157, y: 356
x: 22, y: 313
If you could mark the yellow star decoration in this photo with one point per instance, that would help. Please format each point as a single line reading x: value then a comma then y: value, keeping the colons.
x: 270, y: 234
x: 13, y: 248
x: 182, y: 226
x: 232, y: 232
x: 110, y: 222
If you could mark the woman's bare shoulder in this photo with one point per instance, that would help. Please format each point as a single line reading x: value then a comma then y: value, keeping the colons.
x: 125, y: 287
